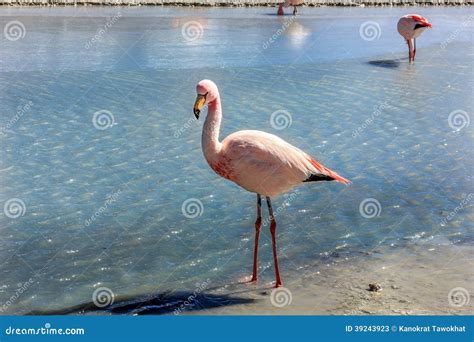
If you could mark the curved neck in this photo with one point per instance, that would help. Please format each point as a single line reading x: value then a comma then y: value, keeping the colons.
x: 210, y: 132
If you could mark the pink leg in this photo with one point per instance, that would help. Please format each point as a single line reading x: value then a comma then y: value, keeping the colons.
x: 280, y: 10
x: 411, y: 56
x: 258, y: 224
x: 273, y: 231
x: 414, y: 48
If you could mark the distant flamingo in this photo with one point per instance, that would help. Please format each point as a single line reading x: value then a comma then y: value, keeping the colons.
x: 410, y: 27
x: 288, y: 3
x: 257, y: 161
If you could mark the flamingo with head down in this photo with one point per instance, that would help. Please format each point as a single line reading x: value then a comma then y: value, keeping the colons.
x: 410, y: 27
x: 257, y: 161
x: 288, y: 3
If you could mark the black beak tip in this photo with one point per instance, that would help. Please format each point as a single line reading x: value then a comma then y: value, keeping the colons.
x: 196, y: 113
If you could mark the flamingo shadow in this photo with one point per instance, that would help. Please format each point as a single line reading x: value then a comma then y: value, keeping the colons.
x: 387, y: 63
x: 156, y: 304
x: 279, y: 15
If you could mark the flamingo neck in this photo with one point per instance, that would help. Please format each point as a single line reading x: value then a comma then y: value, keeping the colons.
x: 210, y: 132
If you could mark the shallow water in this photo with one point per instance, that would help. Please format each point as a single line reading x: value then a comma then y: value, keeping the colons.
x: 355, y: 104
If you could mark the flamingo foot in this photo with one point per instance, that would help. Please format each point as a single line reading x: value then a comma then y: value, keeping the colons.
x: 247, y: 280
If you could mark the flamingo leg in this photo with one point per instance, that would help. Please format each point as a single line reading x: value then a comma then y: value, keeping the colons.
x: 414, y: 48
x: 411, y: 56
x: 294, y: 10
x: 258, y: 224
x: 273, y: 231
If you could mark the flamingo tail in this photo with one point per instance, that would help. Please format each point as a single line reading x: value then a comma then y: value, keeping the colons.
x: 326, y: 174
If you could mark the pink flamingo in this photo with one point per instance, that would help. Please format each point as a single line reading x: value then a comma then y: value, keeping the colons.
x: 410, y: 27
x: 288, y: 3
x: 257, y: 161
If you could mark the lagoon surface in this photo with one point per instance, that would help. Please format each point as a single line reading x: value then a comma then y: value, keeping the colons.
x: 101, y: 152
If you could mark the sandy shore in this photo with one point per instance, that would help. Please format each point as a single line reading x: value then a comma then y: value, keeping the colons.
x: 414, y: 282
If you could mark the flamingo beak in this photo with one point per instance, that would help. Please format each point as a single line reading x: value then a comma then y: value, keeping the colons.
x: 200, y: 101
x: 426, y: 23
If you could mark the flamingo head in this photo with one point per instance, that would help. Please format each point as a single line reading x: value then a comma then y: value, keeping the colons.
x: 412, y: 25
x: 421, y: 21
x: 206, y: 93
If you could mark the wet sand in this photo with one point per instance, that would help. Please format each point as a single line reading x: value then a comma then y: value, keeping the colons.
x: 414, y: 282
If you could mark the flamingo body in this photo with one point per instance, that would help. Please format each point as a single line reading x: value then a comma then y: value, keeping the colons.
x: 257, y: 161
x: 266, y: 164
x: 410, y: 27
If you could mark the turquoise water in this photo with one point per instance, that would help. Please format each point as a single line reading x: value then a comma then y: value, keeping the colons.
x: 355, y: 104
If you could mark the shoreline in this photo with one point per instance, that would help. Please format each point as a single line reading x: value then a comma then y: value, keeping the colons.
x: 230, y: 3
x: 417, y: 280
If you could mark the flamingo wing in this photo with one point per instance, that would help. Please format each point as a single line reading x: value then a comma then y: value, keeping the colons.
x: 264, y: 163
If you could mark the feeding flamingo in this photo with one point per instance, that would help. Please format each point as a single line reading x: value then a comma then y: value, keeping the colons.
x: 410, y: 27
x: 288, y: 3
x: 257, y: 161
